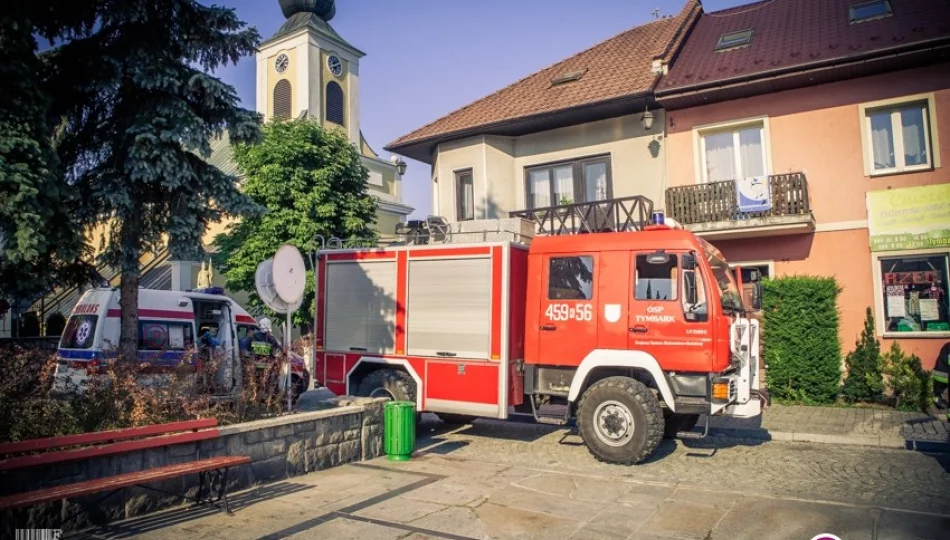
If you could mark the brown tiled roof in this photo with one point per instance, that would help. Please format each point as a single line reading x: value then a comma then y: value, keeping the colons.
x: 617, y: 68
x: 795, y: 35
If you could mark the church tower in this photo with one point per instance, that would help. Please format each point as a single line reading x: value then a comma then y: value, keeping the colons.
x: 306, y: 67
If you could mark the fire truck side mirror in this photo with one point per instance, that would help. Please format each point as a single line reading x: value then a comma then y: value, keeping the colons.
x: 757, y: 296
x: 689, y: 261
x: 689, y: 286
x: 755, y: 276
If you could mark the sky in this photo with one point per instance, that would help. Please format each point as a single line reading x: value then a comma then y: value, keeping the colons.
x: 427, y: 58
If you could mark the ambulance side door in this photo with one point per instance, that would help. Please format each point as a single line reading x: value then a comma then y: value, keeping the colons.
x: 567, y: 318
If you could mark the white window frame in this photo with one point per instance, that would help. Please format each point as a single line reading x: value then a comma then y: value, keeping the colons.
x: 930, y: 134
x: 770, y: 264
x: 699, y: 143
x: 879, y: 309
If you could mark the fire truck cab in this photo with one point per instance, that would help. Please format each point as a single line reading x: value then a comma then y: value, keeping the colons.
x: 633, y: 334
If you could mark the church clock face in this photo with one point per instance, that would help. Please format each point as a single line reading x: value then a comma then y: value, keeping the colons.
x: 281, y: 64
x: 335, y: 65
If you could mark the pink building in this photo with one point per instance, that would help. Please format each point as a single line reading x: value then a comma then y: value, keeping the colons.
x: 813, y: 137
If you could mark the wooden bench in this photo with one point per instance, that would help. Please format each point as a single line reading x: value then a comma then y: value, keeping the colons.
x: 212, y: 472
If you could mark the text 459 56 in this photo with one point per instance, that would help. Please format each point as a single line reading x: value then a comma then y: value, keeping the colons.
x: 567, y: 312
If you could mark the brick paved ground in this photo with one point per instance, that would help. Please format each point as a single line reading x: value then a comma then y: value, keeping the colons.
x: 874, y: 427
x: 522, y: 481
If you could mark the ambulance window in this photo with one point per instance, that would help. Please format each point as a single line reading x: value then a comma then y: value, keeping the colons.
x: 571, y: 278
x: 164, y: 336
x: 656, y: 277
x: 80, y: 332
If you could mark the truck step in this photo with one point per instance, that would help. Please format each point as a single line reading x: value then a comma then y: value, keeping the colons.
x: 693, y: 435
x: 551, y: 420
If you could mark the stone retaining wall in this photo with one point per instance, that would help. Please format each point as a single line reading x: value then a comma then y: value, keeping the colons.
x: 348, y: 430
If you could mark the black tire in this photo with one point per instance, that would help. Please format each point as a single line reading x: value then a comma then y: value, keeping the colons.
x: 456, y: 419
x: 676, y: 423
x: 627, y: 408
x: 391, y: 383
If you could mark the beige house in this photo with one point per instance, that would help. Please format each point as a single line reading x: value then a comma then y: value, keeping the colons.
x: 575, y: 132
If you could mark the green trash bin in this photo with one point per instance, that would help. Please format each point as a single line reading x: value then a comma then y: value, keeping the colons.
x: 399, y: 430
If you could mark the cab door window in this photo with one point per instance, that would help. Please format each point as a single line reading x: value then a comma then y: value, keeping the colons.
x: 657, y: 277
x: 571, y: 278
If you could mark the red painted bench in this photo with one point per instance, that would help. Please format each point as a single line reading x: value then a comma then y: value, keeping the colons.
x: 212, y: 472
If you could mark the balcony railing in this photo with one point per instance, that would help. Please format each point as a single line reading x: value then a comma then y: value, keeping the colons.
x: 623, y: 214
x: 716, y: 201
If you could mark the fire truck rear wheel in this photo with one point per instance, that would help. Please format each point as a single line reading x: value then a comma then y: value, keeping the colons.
x: 620, y: 420
x: 389, y: 383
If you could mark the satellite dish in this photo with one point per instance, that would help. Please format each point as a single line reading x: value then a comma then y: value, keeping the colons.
x: 264, y: 282
x: 289, y: 274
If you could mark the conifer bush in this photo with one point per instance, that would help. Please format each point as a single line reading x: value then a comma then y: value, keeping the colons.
x: 800, y: 338
x: 911, y: 386
x: 865, y: 380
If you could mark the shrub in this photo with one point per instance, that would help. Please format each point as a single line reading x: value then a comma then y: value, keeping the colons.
x: 864, y: 381
x: 800, y: 338
x: 911, y: 386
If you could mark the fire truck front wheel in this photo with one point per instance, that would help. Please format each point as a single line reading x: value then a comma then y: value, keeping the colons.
x: 388, y: 383
x: 620, y: 420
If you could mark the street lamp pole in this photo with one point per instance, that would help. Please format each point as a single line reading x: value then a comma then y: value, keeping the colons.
x: 319, y: 244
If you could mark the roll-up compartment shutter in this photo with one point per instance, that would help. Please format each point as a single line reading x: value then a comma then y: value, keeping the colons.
x: 361, y: 306
x: 449, y: 307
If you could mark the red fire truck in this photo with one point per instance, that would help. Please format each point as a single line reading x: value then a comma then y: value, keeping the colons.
x: 633, y: 334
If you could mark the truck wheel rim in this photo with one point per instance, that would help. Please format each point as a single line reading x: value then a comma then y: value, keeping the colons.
x: 382, y: 393
x: 613, y: 423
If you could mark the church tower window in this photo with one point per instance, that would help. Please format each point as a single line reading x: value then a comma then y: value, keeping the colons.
x: 282, y: 100
x: 335, y: 104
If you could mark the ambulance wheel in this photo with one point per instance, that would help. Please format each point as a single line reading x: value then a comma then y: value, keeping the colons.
x: 620, y: 420
x: 388, y: 383
x: 456, y: 419
x: 676, y: 423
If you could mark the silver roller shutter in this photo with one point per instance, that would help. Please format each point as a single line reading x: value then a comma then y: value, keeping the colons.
x: 361, y: 306
x: 449, y: 307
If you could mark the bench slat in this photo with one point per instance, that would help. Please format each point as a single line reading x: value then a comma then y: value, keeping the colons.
x: 35, y: 445
x: 89, y: 487
x: 105, y: 450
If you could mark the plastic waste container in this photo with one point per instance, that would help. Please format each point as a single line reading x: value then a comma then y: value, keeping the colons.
x: 399, y: 430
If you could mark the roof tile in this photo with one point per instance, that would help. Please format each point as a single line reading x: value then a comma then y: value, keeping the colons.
x: 791, y: 33
x: 616, y: 68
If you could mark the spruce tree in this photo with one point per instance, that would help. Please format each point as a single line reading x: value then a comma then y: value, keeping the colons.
x: 140, y: 107
x: 864, y: 381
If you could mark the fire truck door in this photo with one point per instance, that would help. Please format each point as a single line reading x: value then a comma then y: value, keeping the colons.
x: 657, y: 318
x: 568, y: 322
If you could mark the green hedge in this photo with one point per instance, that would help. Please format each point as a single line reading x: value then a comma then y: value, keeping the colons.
x: 802, y: 348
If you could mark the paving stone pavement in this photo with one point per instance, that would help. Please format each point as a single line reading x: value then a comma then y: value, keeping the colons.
x: 508, y: 480
x: 866, y: 426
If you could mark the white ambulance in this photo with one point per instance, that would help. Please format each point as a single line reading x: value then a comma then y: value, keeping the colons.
x: 175, y: 327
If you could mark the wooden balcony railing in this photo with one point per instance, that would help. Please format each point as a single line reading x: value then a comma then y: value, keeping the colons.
x: 716, y: 201
x: 623, y: 214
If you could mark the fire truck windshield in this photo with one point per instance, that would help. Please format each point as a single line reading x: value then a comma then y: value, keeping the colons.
x: 728, y: 289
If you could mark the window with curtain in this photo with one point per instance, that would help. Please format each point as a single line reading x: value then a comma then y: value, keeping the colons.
x: 733, y: 154
x: 568, y: 182
x: 898, y: 138
x: 464, y: 195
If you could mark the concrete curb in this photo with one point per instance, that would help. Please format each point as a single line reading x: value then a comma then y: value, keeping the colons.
x: 881, y: 441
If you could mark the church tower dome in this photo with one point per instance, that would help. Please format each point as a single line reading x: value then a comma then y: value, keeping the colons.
x: 325, y: 9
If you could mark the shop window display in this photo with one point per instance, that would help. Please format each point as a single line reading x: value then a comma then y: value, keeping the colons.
x: 915, y: 293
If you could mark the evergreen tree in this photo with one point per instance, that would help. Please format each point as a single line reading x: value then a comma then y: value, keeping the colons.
x: 312, y: 182
x: 41, y: 242
x: 864, y: 381
x: 139, y: 109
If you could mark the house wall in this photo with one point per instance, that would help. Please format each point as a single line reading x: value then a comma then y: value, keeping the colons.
x: 498, y: 164
x: 818, y: 131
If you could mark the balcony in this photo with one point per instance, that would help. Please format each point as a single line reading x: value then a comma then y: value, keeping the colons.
x: 623, y: 214
x: 712, y: 210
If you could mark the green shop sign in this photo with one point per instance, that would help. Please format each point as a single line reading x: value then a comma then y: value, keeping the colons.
x: 909, y: 218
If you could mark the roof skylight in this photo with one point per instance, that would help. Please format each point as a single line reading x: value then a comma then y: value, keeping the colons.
x: 734, y: 39
x: 866, y: 11
x: 570, y: 76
